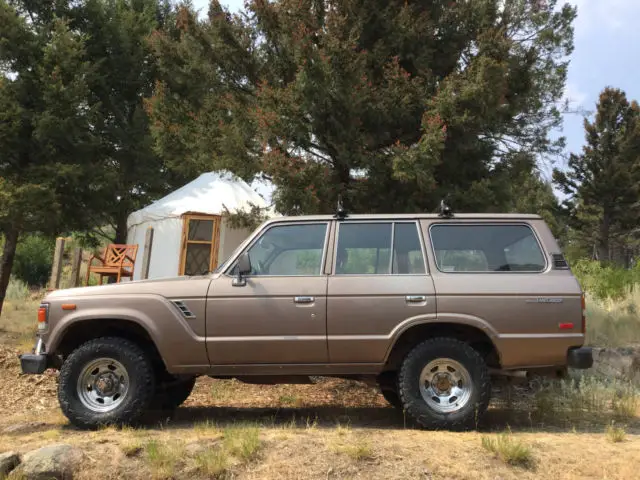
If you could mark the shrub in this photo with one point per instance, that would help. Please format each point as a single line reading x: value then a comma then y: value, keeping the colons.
x: 605, y: 281
x: 508, y: 449
x: 213, y: 462
x: 242, y: 441
x: 32, y: 263
x: 17, y: 291
x: 615, y: 434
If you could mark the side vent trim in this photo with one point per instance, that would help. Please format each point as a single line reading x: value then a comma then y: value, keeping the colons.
x: 559, y: 262
x: 186, y: 313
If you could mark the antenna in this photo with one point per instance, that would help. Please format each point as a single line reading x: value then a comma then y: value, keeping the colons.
x: 445, y: 209
x: 341, y: 213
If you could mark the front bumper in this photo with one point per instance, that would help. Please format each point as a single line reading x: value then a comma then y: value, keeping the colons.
x: 36, y: 362
x: 580, y: 357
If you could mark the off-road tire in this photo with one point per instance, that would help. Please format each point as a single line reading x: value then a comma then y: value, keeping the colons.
x: 140, y: 390
x: 392, y: 397
x: 409, y: 378
x: 388, y: 383
x: 171, y: 394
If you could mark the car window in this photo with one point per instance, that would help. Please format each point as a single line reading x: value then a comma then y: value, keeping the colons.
x: 462, y: 260
x: 289, y: 250
x: 407, y: 250
x: 486, y: 248
x: 366, y: 249
x: 296, y: 262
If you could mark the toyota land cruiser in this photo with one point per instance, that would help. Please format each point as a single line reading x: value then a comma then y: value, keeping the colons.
x: 428, y: 306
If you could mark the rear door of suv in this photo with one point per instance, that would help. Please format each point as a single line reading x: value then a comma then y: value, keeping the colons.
x: 379, y: 282
x: 496, y: 275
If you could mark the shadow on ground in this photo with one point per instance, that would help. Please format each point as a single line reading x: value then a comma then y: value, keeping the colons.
x: 496, y: 419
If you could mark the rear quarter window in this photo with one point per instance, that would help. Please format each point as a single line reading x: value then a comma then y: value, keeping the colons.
x: 486, y: 248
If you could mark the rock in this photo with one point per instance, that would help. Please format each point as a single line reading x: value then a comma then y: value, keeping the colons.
x: 8, y: 461
x: 27, y: 427
x: 52, y: 462
x: 617, y: 362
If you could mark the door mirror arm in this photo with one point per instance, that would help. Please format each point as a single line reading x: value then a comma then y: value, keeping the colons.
x: 243, y: 268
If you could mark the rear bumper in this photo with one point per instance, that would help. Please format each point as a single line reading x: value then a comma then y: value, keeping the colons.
x: 580, y: 357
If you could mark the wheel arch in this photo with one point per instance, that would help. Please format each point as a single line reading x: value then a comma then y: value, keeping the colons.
x: 82, y: 331
x: 414, y: 334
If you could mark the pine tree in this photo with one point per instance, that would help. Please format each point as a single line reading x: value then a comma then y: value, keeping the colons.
x: 46, y: 135
x: 390, y: 104
x: 603, y: 182
x: 129, y: 174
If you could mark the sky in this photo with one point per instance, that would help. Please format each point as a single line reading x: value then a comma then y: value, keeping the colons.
x: 607, y: 53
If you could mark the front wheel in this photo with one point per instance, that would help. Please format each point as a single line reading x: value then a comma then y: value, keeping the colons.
x: 171, y: 394
x: 444, y: 384
x: 106, y: 381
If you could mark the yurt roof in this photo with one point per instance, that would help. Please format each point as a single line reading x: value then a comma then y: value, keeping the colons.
x: 208, y: 194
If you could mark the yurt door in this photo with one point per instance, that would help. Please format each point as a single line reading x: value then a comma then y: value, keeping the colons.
x: 200, y: 241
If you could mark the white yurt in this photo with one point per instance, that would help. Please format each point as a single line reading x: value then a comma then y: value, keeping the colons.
x: 190, y: 236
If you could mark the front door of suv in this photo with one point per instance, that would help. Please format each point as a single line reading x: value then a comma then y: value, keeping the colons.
x: 379, y: 284
x: 279, y: 315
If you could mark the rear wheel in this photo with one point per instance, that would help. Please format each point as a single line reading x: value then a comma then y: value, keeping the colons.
x: 444, y: 383
x: 105, y: 381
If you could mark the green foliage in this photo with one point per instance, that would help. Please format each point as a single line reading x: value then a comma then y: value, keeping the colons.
x: 249, y: 219
x: 605, y: 281
x: 603, y: 182
x: 33, y: 261
x: 391, y: 104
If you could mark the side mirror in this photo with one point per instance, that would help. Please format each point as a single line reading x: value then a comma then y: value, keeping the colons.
x: 244, y: 267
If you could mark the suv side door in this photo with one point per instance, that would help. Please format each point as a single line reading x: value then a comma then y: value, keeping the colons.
x: 279, y: 315
x: 379, y: 283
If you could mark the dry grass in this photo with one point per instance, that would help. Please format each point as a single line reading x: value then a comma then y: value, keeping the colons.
x: 614, y: 323
x: 242, y: 441
x: 163, y: 458
x: 18, y: 322
x: 345, y: 430
x: 213, y: 462
x: 585, y: 398
x: 357, y: 448
x: 616, y: 434
x: 509, y: 449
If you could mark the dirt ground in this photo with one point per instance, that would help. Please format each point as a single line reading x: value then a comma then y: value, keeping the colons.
x: 333, y: 429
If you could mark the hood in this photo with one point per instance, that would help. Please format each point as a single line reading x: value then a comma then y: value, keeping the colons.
x: 168, y: 287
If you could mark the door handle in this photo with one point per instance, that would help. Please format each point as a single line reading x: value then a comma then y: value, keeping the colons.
x: 304, y: 299
x: 415, y: 298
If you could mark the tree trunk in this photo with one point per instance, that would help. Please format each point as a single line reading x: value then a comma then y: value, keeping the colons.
x: 6, y: 262
x: 121, y: 235
x: 121, y: 228
x: 603, y: 240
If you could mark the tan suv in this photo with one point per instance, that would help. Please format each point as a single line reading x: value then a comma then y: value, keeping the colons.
x: 430, y: 307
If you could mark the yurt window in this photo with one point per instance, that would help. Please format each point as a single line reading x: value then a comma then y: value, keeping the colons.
x: 200, y: 237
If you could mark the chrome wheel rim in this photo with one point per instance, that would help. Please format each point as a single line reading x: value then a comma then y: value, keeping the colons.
x: 103, y: 385
x: 445, y: 385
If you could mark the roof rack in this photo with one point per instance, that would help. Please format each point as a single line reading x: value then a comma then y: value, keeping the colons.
x: 445, y: 210
x: 341, y: 213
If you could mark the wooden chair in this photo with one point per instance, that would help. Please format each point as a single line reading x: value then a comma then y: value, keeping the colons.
x: 117, y: 261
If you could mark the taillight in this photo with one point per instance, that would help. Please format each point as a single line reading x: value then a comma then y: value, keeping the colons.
x: 43, y: 316
x: 584, y: 315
